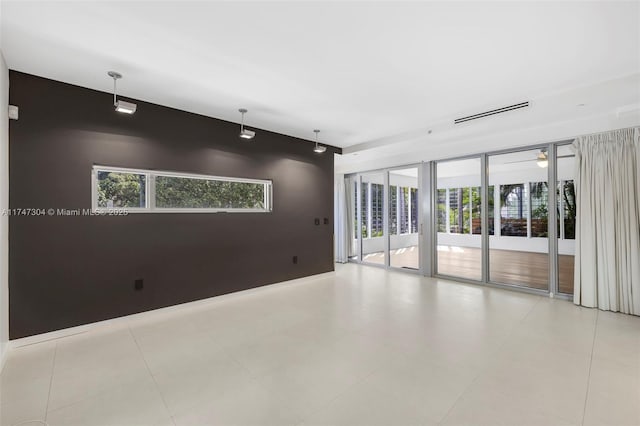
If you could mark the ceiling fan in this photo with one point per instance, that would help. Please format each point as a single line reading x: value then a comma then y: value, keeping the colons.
x: 542, y: 159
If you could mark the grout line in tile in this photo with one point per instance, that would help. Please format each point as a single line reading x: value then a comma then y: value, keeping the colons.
x: 155, y: 383
x: 593, y: 345
x: 53, y: 366
x: 485, y: 368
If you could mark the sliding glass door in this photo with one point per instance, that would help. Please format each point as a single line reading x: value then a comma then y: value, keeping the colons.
x: 404, y: 218
x: 352, y: 201
x: 372, y: 212
x: 504, y: 218
x: 458, y: 221
x: 566, y: 200
x: 519, y: 246
x: 384, y: 217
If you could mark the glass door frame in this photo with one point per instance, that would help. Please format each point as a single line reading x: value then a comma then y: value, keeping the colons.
x: 385, y: 221
x: 433, y: 206
x: 552, y: 219
x: 385, y: 214
x: 421, y: 221
x: 427, y: 240
x: 553, y: 154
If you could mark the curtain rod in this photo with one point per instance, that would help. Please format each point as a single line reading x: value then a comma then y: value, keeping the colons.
x: 614, y: 130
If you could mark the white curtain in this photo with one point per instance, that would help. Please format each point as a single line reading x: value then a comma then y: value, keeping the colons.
x: 340, y: 230
x: 607, y: 262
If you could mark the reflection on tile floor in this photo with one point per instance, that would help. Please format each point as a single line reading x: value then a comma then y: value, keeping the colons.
x: 362, y: 346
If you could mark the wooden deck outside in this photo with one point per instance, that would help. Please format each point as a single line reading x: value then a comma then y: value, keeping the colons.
x: 505, y: 266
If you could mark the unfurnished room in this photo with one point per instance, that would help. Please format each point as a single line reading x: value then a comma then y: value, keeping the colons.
x: 318, y: 213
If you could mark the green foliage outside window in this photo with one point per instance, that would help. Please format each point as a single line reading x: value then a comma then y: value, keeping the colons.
x: 539, y: 210
x: 476, y: 211
x: 179, y: 192
x: 365, y: 210
x: 393, y: 213
x: 128, y: 190
x: 459, y: 211
x: 120, y: 190
x: 568, y: 198
x: 442, y: 210
x: 491, y: 209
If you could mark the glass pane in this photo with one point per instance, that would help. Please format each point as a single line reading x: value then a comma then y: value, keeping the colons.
x: 372, y: 218
x: 377, y: 207
x: 393, y: 209
x: 355, y: 209
x: 351, y: 193
x: 519, y: 254
x: 513, y: 211
x: 442, y: 210
x: 403, y: 210
x: 455, y: 213
x: 458, y: 219
x: 476, y: 211
x: 569, y: 206
x: 181, y: 192
x: 465, y: 209
x: 364, y: 208
x: 403, y: 222
x: 414, y: 210
x: 566, y: 218
x: 120, y: 189
x: 539, y: 214
x: 492, y: 210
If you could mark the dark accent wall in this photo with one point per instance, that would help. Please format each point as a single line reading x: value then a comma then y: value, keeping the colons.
x: 66, y: 271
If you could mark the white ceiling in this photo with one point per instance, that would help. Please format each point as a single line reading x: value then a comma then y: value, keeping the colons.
x: 368, y: 74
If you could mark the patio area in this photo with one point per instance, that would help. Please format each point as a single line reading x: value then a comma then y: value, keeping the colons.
x: 527, y: 269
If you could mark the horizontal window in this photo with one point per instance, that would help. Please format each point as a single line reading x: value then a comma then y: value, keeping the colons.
x: 120, y: 189
x: 188, y: 192
x: 169, y: 192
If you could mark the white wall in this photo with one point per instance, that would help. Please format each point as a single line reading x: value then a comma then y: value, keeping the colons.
x: 4, y: 204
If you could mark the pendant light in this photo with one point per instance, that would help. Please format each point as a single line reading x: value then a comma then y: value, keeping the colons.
x: 318, y: 148
x: 120, y: 106
x: 245, y: 133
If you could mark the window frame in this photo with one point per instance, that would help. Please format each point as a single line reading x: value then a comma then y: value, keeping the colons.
x: 150, y: 191
x: 94, y: 189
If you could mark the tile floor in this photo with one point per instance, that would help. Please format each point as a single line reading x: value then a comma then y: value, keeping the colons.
x: 363, y: 346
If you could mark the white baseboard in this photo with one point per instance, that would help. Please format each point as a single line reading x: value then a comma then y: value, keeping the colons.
x: 147, y: 315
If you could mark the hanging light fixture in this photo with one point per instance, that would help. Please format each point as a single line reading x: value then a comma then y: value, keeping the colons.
x: 542, y: 161
x: 318, y: 148
x: 245, y: 133
x: 120, y: 106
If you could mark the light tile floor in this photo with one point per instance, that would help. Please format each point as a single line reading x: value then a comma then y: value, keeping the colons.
x: 363, y: 346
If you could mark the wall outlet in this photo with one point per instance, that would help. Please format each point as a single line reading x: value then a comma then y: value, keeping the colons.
x: 326, y: 220
x: 138, y: 284
x: 295, y: 260
x: 317, y: 221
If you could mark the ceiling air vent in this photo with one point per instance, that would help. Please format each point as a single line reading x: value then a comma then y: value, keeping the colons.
x: 492, y: 112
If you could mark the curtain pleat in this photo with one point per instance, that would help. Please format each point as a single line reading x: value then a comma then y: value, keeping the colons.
x: 607, y: 263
